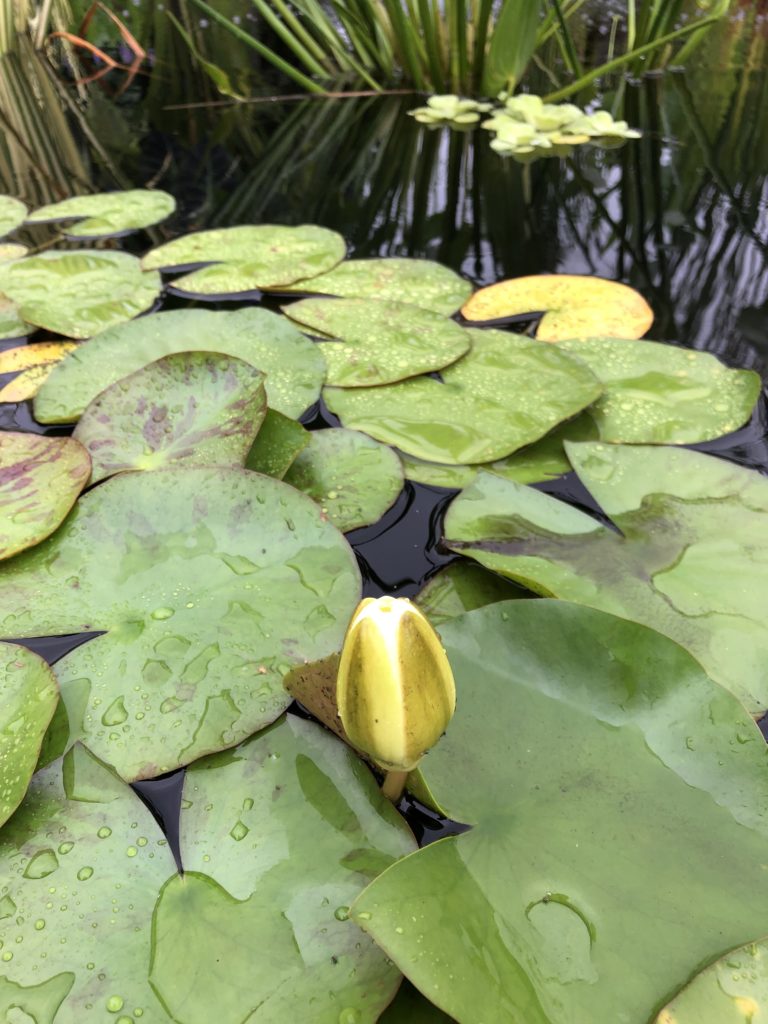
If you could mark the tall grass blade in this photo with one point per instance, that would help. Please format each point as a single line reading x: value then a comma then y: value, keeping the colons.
x: 512, y: 45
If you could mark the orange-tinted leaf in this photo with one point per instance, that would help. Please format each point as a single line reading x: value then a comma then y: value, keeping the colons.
x: 38, y: 354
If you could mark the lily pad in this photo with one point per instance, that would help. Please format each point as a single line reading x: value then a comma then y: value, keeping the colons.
x: 12, y: 214
x: 353, y: 478
x: 574, y: 306
x: 192, y: 408
x: 733, y: 990
x: 690, y: 560
x: 80, y: 292
x: 249, y: 257
x: 661, y: 394
x: 108, y: 213
x: 28, y: 698
x: 40, y: 479
x: 379, y: 342
x: 294, y: 365
x: 461, y: 587
x: 433, y: 474
x: 277, y: 444
x: 36, y: 362
x: 506, y: 393
x: 11, y: 323
x: 604, y: 774
x: 422, y: 283
x: 210, y: 584
x: 12, y: 251
x: 146, y: 941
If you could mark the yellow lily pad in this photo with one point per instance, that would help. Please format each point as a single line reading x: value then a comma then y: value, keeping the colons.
x: 36, y: 361
x: 574, y: 306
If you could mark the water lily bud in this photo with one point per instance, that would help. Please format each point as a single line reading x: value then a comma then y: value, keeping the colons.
x: 395, y: 688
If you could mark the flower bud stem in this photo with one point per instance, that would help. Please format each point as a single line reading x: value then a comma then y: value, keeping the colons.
x: 393, y: 785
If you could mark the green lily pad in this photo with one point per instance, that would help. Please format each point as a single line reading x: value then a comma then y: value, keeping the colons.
x: 83, y: 844
x: 40, y: 479
x: 210, y: 583
x: 422, y: 283
x: 461, y: 587
x: 378, y: 342
x: 435, y: 475
x: 28, y: 698
x: 294, y: 365
x: 353, y: 478
x: 108, y: 213
x: 619, y: 800
x: 277, y: 444
x: 249, y: 257
x: 11, y: 323
x: 80, y: 292
x: 12, y: 214
x: 192, y: 408
x: 661, y: 394
x: 689, y: 561
x: 289, y: 827
x: 505, y: 394
x: 733, y: 990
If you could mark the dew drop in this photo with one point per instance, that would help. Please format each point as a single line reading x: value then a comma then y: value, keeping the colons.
x: 85, y: 873
x: 162, y: 613
x: 115, y: 713
x: 42, y: 864
x: 341, y: 913
x: 104, y: 832
x: 115, y: 1004
x: 239, y: 831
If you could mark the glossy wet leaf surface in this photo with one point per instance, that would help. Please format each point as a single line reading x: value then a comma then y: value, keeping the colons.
x: 461, y: 587
x: 505, y: 394
x: 249, y: 257
x: 421, y: 283
x: 353, y: 478
x: 660, y: 394
x: 294, y: 365
x: 574, y: 306
x: 690, y: 560
x: 35, y: 361
x: 279, y: 441
x: 28, y: 698
x: 733, y: 990
x: 379, y: 342
x: 210, y: 583
x: 80, y: 292
x: 598, y: 764
x: 108, y: 213
x: 40, y: 479
x: 12, y: 214
x: 192, y: 408
x: 11, y: 323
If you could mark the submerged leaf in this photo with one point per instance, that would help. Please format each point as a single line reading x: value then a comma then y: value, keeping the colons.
x: 108, y: 213
x: 601, y: 769
x: 40, y: 479
x: 192, y: 408
x: 28, y: 698
x: 378, y: 341
x: 80, y: 292
x: 689, y: 560
x: 353, y: 478
x: 573, y: 306
x: 210, y: 584
x: 294, y: 365
x: 506, y: 393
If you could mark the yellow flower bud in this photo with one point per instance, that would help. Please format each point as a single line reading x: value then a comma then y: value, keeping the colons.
x: 395, y: 688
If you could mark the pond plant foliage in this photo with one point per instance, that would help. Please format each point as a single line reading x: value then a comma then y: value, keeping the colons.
x: 603, y: 760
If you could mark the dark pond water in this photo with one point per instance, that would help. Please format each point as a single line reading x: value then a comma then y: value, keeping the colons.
x: 681, y: 215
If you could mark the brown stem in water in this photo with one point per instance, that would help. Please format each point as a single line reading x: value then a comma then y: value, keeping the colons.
x: 393, y: 785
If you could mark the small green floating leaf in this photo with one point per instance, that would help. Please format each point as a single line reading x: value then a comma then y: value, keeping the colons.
x: 600, y: 767
x: 689, y: 561
x: 211, y: 583
x: 28, y: 698
x: 40, y: 479
x: 660, y: 394
x: 733, y: 990
x: 12, y: 214
x: 353, y: 478
x: 108, y: 213
x: 79, y: 292
x: 421, y: 283
x: 461, y: 587
x: 505, y: 394
x: 294, y: 365
x: 248, y: 257
x: 192, y: 408
x: 378, y: 341
x: 277, y: 444
x: 276, y: 836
